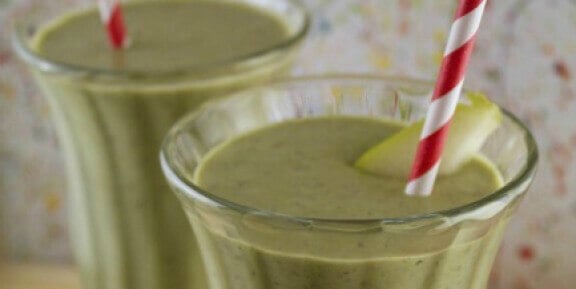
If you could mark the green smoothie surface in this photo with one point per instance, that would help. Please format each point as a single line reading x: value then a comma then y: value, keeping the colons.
x: 305, y: 168
x: 163, y: 35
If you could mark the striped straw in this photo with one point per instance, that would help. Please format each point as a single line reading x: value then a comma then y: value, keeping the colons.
x: 111, y: 16
x: 445, y: 97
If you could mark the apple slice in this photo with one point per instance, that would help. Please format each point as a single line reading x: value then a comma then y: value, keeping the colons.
x: 471, y: 125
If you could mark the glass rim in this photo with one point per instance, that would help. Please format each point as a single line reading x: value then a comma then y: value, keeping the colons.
x: 22, y: 48
x: 192, y: 191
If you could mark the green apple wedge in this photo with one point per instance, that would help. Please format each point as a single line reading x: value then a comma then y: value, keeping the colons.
x: 472, y: 123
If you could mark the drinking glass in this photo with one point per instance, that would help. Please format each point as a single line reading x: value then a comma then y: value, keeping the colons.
x: 127, y: 231
x: 245, y: 247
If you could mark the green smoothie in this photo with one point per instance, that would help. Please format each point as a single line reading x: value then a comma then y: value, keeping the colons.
x: 304, y: 168
x: 308, y: 165
x: 112, y: 109
x: 164, y: 36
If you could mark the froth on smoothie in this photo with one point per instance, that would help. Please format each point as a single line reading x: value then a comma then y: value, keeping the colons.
x: 305, y: 168
x: 163, y: 35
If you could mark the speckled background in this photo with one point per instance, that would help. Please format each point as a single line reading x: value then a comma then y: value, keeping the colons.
x: 525, y: 59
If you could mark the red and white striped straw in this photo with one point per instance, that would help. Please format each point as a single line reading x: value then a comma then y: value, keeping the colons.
x: 111, y: 16
x: 445, y: 97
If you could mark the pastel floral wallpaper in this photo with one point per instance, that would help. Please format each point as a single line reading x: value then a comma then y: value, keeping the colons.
x: 525, y: 60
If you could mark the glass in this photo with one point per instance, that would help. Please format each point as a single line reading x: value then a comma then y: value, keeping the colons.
x: 127, y: 231
x: 248, y: 248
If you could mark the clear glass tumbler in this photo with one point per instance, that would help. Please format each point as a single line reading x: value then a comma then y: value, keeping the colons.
x: 249, y: 248
x: 127, y: 231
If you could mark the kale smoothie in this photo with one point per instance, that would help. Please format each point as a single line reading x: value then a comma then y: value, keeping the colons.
x: 112, y: 109
x: 304, y: 168
x: 164, y: 36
